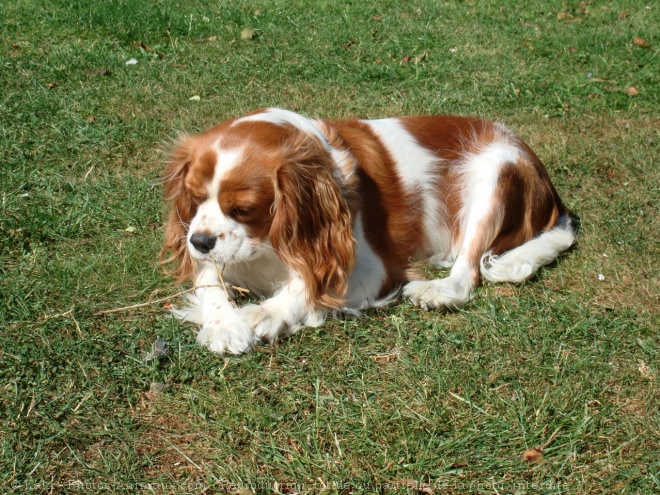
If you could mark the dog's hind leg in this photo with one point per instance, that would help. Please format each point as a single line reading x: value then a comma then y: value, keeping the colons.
x: 489, y: 188
x: 481, y: 226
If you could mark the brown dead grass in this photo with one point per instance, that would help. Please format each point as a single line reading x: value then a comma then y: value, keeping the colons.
x: 171, y: 440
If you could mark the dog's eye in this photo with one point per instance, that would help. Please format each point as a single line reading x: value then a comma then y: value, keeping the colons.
x: 198, y: 198
x: 241, y: 211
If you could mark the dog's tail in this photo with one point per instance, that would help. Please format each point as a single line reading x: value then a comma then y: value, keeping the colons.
x: 521, y: 263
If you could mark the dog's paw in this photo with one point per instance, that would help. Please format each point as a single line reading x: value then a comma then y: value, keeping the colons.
x: 438, y: 293
x: 268, y: 324
x: 233, y: 336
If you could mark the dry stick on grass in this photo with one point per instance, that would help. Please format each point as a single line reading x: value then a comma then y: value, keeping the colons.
x: 222, y: 280
x: 149, y: 303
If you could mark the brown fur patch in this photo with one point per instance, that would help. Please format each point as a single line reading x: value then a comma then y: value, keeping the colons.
x: 182, y: 208
x: 312, y: 226
x: 450, y: 138
x: 390, y: 214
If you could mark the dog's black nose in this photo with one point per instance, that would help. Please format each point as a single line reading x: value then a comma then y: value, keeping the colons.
x: 202, y: 242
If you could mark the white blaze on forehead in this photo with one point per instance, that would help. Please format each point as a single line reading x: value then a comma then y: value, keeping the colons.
x: 279, y: 116
x: 227, y: 159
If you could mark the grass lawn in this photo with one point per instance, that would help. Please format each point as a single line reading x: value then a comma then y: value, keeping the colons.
x: 399, y: 401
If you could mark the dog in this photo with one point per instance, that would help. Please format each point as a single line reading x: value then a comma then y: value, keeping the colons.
x: 319, y: 217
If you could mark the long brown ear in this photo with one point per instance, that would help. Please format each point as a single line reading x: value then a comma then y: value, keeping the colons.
x: 181, y: 212
x: 312, y: 228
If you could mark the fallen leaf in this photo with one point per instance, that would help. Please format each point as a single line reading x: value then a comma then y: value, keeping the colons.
x: 377, y: 17
x: 418, y: 486
x: 91, y: 118
x: 421, y: 57
x: 247, y: 34
x: 405, y: 59
x: 642, y: 42
x: 155, y: 389
x: 632, y: 91
x: 148, y: 49
x: 645, y: 371
x: 158, y: 388
x: 386, y: 358
x: 533, y: 455
x: 158, y: 350
x: 130, y: 229
x: 564, y: 16
x: 622, y: 15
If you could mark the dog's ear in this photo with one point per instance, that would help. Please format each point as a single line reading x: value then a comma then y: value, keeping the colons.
x: 181, y: 211
x: 312, y: 226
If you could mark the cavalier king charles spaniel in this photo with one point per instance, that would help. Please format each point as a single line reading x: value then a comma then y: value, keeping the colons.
x: 318, y: 217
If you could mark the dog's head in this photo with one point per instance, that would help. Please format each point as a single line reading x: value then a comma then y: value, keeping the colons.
x: 262, y: 182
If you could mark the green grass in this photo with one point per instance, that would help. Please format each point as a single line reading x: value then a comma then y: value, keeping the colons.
x: 566, y: 363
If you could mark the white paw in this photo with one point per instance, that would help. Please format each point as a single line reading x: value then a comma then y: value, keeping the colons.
x: 438, y: 293
x: 232, y: 336
x: 267, y: 324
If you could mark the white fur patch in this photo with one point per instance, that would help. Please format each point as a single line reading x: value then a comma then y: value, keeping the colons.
x: 367, y: 277
x: 481, y: 172
x: 279, y: 116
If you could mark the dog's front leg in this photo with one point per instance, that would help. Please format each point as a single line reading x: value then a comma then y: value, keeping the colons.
x: 224, y: 329
x: 283, y: 314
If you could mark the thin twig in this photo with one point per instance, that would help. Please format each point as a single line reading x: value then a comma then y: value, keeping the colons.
x: 222, y: 280
x: 149, y: 303
x: 70, y: 313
